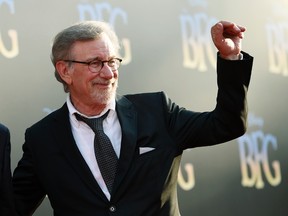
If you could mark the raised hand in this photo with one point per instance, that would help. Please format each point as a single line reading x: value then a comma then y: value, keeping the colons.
x: 227, y: 37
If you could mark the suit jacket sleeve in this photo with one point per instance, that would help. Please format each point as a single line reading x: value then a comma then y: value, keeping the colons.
x: 6, y: 192
x: 227, y: 121
x: 26, y: 179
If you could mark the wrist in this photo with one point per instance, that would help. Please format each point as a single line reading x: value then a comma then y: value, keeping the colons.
x: 238, y: 56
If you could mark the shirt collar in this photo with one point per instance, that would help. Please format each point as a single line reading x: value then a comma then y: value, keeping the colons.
x: 72, y: 110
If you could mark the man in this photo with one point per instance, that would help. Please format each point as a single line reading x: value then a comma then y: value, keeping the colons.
x: 6, y: 198
x: 148, y: 132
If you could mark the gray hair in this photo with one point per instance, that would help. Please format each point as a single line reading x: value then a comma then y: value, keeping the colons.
x: 81, y: 31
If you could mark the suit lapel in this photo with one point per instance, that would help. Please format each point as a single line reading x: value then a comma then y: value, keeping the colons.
x: 127, y: 117
x: 128, y: 121
x: 62, y: 131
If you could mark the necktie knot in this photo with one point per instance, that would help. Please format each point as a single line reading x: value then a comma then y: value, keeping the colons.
x: 95, y: 124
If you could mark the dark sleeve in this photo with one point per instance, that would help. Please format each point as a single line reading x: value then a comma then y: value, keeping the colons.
x: 6, y: 193
x: 227, y: 121
x: 25, y: 181
x: 233, y: 79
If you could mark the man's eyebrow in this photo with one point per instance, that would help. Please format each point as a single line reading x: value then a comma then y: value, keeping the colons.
x: 99, y: 59
x: 93, y: 59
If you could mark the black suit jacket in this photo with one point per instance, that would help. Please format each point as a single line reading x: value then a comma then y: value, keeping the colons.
x: 6, y: 192
x: 145, y: 184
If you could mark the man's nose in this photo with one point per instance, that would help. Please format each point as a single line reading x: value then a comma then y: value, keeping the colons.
x: 106, y: 71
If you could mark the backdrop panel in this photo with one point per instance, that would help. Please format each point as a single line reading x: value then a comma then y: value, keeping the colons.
x: 166, y: 46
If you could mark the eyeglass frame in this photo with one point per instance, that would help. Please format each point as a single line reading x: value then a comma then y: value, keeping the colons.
x: 95, y: 60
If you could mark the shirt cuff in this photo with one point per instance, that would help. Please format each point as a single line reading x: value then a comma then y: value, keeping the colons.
x: 240, y: 57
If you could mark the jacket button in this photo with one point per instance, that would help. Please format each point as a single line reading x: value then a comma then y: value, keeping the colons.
x: 112, y: 208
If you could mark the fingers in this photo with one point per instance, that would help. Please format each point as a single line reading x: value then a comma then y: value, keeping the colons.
x: 227, y: 38
x: 227, y: 30
x: 231, y: 29
x: 217, y: 33
x: 231, y: 25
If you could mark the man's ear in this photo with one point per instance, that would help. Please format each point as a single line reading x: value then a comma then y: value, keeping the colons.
x: 64, y: 72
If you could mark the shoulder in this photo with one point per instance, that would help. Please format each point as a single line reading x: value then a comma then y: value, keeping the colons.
x: 148, y: 97
x: 145, y: 101
x: 4, y: 130
x: 60, y: 114
x: 4, y: 138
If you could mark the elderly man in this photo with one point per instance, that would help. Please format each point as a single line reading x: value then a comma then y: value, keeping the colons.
x: 102, y: 154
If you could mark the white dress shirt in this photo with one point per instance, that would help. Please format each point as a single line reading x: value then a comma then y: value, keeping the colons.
x: 84, y: 137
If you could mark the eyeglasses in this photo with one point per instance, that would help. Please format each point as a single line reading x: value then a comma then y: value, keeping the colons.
x: 96, y: 65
